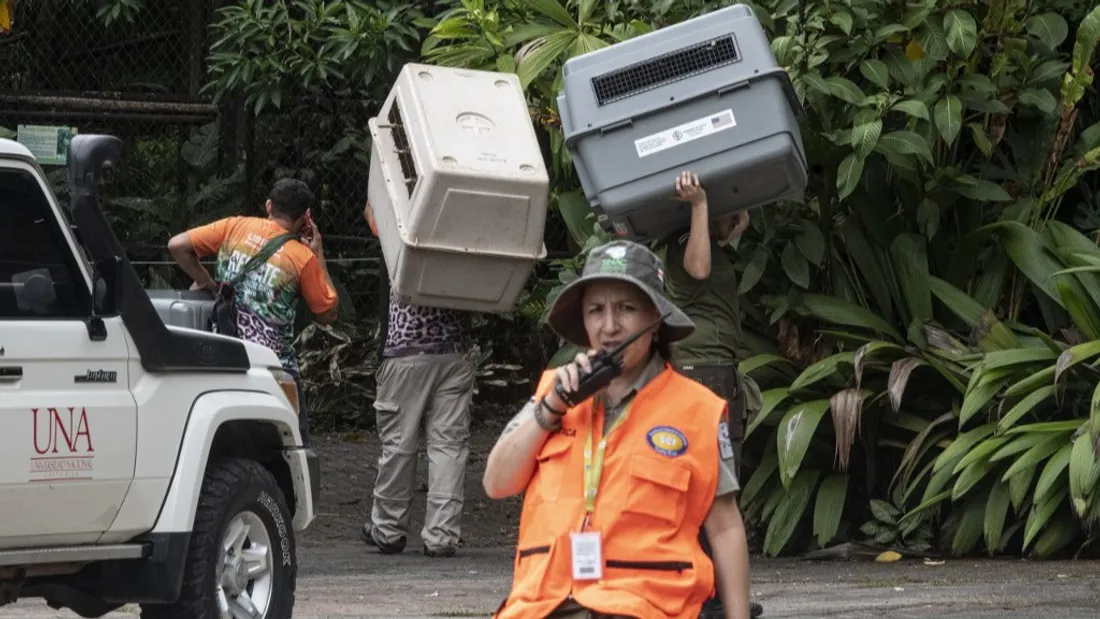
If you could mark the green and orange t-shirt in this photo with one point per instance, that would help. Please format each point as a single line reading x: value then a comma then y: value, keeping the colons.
x: 267, y: 298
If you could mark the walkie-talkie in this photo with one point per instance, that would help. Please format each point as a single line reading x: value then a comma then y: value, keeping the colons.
x: 606, y: 365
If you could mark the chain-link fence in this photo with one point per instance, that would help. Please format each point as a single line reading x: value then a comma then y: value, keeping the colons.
x: 187, y: 161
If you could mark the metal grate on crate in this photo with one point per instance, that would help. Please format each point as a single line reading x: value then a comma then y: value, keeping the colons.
x: 404, y: 150
x: 665, y: 69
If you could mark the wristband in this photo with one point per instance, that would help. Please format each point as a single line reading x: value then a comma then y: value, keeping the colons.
x: 547, y: 406
x: 546, y: 424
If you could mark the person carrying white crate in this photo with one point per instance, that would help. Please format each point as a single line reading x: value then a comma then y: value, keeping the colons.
x: 618, y: 458
x: 427, y: 375
x: 702, y: 280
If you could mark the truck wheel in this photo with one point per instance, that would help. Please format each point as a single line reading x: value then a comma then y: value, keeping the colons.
x: 241, y: 562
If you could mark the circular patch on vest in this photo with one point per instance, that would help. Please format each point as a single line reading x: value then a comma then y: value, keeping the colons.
x: 667, y: 441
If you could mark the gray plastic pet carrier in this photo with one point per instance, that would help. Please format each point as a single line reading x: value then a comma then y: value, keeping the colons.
x: 705, y: 94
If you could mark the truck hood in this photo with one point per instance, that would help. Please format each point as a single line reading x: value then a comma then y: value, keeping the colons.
x: 258, y: 355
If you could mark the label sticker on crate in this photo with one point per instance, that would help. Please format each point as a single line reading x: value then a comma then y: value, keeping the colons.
x: 687, y: 132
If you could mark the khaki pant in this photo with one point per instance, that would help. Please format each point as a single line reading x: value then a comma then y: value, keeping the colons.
x: 435, y: 390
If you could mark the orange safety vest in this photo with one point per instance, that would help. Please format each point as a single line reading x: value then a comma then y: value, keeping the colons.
x: 660, y: 475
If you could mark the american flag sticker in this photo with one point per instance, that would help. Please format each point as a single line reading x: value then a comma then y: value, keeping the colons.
x: 679, y: 135
x: 725, y: 119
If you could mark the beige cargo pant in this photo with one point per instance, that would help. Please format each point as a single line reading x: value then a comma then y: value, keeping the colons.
x: 435, y: 390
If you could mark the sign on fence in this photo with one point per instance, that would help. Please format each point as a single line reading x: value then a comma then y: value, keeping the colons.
x: 48, y: 144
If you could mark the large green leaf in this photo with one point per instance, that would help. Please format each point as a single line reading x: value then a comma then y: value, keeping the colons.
x: 960, y: 446
x: 552, y: 9
x: 829, y: 507
x: 875, y: 71
x: 996, y: 510
x: 867, y: 262
x: 542, y: 53
x: 1084, y: 474
x: 969, y: 478
x: 1035, y: 455
x: 960, y: 303
x: 848, y: 174
x: 1041, y: 512
x: 795, y: 433
x: 1023, y: 407
x: 1074, y: 355
x: 1061, y: 530
x: 770, y: 401
x: 790, y: 511
x: 980, y: 453
x: 976, y: 399
x: 948, y: 116
x: 1018, y: 486
x: 970, y: 525
x: 1052, y: 472
x: 910, y: 260
x: 838, y: 311
x: 905, y: 142
x: 1083, y: 313
x: 1029, y: 255
x: 961, y: 31
x: 1030, y: 383
x: 1094, y: 419
x: 750, y: 365
x: 577, y: 214
x: 1050, y: 28
x: 821, y: 370
x: 760, y: 477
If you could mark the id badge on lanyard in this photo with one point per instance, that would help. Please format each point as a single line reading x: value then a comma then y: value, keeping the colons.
x: 587, y: 546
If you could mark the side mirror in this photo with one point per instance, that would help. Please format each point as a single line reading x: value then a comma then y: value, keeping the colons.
x: 107, y: 278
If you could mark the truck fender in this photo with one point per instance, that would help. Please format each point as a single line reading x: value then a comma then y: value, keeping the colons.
x: 208, y: 412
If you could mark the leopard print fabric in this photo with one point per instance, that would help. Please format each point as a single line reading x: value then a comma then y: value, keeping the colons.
x: 253, y: 328
x: 415, y: 329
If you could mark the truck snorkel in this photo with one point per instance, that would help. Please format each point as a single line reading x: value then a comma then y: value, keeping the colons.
x: 161, y: 349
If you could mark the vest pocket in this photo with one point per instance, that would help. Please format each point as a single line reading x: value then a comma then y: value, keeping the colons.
x: 551, y: 467
x: 532, y: 570
x: 659, y: 566
x: 658, y: 489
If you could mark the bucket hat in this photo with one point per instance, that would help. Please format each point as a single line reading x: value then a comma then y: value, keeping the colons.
x: 622, y: 261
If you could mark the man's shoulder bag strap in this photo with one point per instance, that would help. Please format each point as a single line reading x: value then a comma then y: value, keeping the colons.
x: 267, y: 251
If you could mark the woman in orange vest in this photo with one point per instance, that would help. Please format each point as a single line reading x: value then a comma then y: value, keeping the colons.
x: 616, y: 487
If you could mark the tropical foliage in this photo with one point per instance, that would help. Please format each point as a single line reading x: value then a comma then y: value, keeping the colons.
x: 924, y: 322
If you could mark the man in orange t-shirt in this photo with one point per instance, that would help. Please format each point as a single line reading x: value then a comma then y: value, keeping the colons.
x: 267, y: 298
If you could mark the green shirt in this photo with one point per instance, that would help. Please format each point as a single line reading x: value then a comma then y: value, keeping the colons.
x: 711, y: 303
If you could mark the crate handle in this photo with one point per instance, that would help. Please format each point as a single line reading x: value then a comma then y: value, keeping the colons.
x: 622, y: 124
x: 734, y: 87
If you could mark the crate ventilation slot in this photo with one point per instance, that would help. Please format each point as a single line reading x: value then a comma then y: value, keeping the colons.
x: 404, y: 151
x: 665, y: 69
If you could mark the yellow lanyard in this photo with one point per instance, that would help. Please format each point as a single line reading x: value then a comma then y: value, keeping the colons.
x: 593, y: 468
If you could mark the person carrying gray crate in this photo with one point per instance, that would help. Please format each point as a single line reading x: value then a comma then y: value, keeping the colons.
x: 271, y: 284
x: 427, y: 375
x: 702, y: 280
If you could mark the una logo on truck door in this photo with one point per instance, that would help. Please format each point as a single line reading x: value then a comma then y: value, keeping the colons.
x: 63, y: 443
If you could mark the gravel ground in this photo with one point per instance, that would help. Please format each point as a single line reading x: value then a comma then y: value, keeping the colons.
x: 340, y: 577
x: 346, y: 580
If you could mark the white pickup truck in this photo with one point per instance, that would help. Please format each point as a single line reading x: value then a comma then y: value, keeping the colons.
x: 139, y: 462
